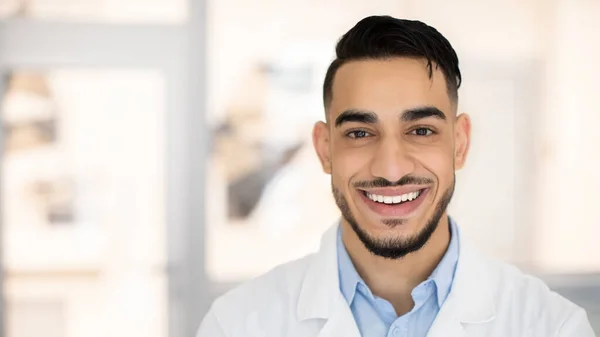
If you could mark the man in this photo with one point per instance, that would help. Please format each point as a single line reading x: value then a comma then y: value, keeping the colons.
x: 396, y: 264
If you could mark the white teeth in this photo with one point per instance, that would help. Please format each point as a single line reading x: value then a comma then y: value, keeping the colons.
x: 394, y: 199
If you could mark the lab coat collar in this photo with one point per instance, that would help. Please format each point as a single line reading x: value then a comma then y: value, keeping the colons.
x: 320, y: 287
x: 470, y: 301
x: 472, y: 293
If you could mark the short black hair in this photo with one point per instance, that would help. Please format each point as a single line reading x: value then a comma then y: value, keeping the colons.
x: 385, y: 37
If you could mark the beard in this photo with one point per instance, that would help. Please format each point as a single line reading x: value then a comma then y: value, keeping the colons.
x: 394, y: 248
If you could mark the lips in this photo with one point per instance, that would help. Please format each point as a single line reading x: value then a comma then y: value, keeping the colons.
x: 393, y: 202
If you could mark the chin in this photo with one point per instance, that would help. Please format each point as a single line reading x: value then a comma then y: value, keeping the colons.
x: 391, y: 227
x: 393, y: 241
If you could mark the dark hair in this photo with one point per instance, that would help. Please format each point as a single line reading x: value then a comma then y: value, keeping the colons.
x: 384, y: 37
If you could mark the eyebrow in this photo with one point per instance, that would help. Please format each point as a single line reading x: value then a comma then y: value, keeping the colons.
x: 411, y: 115
x: 369, y: 117
x: 354, y: 115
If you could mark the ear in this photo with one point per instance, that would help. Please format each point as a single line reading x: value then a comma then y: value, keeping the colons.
x: 321, y: 143
x: 462, y: 140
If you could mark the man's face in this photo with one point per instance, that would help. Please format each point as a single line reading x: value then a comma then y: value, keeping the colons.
x: 391, y: 144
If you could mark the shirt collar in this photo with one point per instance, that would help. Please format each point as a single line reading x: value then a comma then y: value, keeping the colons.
x: 442, y: 276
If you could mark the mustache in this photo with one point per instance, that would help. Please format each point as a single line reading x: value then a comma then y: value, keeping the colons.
x: 381, y: 182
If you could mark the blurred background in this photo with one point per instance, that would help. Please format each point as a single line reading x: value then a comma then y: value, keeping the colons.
x: 156, y: 153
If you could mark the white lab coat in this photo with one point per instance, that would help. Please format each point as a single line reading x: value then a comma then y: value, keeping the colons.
x: 302, y: 299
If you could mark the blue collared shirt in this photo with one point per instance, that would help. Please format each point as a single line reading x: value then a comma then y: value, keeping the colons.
x: 376, y: 317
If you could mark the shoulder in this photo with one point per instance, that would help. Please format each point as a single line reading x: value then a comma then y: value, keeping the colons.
x: 279, y: 284
x: 526, y: 292
x: 528, y: 302
x: 272, y: 296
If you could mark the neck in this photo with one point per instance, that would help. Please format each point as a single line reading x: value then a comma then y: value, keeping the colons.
x: 394, y: 280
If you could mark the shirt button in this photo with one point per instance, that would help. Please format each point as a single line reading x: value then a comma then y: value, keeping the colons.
x: 396, y: 332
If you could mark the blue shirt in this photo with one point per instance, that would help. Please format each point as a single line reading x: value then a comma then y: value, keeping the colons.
x: 375, y: 317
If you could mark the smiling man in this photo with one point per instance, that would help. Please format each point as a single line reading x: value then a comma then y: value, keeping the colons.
x: 396, y: 264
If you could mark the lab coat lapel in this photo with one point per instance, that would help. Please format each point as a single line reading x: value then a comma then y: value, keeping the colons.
x: 340, y: 323
x: 470, y: 301
x: 446, y: 326
x: 320, y: 296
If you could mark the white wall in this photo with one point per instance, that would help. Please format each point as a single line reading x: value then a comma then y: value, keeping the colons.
x: 568, y: 225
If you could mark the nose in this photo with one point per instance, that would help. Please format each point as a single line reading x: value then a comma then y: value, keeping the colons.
x: 391, y: 160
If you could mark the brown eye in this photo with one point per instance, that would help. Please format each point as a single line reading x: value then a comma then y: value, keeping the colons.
x: 422, y: 132
x: 358, y: 134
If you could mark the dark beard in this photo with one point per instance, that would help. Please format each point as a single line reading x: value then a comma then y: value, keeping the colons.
x: 395, y: 248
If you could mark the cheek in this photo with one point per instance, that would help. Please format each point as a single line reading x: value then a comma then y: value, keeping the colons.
x: 437, y: 160
x: 347, y: 163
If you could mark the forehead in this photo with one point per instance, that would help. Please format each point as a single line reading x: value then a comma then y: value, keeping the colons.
x: 388, y: 87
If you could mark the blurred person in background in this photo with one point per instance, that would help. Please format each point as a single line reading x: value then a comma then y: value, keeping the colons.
x: 396, y: 264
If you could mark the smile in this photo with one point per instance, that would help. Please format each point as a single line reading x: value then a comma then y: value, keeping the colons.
x: 389, y: 203
x: 396, y: 199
